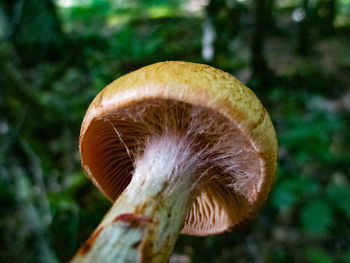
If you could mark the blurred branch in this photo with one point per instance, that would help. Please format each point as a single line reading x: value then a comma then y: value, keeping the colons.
x: 12, y: 81
x: 26, y: 93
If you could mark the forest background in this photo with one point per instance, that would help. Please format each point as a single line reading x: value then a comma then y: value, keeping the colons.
x: 55, y: 56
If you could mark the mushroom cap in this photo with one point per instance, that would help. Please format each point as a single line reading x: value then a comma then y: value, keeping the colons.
x: 131, y: 106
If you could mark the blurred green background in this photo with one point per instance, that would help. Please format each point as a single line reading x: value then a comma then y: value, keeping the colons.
x: 55, y: 56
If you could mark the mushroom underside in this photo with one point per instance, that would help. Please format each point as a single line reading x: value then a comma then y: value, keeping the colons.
x: 228, y: 172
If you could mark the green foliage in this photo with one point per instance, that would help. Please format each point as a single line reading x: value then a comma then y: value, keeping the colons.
x: 339, y: 195
x: 347, y: 257
x: 286, y: 194
x: 316, y: 217
x: 53, y: 64
x: 314, y: 255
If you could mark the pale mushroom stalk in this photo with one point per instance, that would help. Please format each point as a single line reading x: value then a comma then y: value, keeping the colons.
x: 145, y: 221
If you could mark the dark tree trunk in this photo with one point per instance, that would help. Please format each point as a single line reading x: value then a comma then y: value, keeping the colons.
x: 303, y: 45
x: 258, y: 60
x: 35, y: 30
x: 332, y: 12
x: 330, y: 16
x: 225, y: 21
x: 270, y: 19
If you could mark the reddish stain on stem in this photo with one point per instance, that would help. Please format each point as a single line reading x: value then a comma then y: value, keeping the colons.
x: 134, y: 220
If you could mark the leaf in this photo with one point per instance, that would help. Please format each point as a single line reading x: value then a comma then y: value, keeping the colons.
x: 347, y: 257
x: 316, y: 255
x: 309, y: 187
x: 286, y: 194
x: 316, y: 217
x: 340, y: 197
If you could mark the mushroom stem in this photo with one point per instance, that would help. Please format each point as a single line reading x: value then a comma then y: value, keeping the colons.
x: 144, y: 223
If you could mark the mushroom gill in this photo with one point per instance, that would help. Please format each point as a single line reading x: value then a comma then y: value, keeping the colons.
x: 227, y: 176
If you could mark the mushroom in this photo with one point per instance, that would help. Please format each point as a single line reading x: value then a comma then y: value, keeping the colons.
x: 176, y: 146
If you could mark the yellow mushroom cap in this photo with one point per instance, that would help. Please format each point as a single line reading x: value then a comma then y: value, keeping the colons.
x: 121, y: 116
